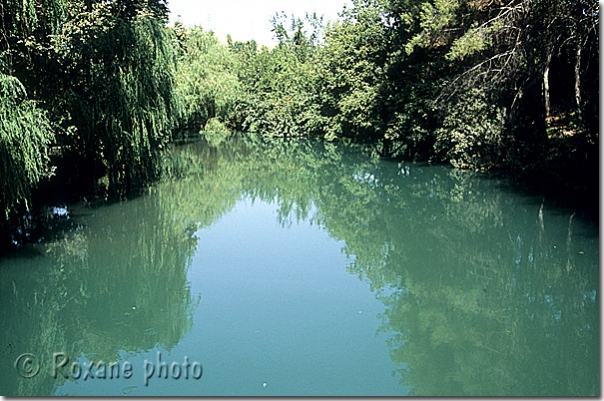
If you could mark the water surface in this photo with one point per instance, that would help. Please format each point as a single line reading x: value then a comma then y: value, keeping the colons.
x: 299, y: 268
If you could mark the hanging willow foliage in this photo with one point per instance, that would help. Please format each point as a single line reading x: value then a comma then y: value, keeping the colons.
x: 206, y: 82
x: 25, y: 131
x: 25, y: 24
x: 122, y: 101
x: 25, y: 135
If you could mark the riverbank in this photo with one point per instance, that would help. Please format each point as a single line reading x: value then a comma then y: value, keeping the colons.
x: 570, y: 172
x: 568, y: 178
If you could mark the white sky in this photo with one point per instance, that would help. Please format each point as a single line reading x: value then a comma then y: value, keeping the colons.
x: 246, y: 20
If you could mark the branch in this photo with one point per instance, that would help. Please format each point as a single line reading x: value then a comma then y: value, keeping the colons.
x: 474, y: 68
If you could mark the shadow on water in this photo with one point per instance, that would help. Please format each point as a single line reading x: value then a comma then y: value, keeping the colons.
x: 114, y: 285
x: 486, y: 291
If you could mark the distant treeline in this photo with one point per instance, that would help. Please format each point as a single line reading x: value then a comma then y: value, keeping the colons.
x: 93, y: 91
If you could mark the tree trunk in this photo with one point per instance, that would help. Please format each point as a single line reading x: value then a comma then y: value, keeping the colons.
x: 534, y: 107
x: 578, y: 37
x: 578, y: 80
x: 546, y: 91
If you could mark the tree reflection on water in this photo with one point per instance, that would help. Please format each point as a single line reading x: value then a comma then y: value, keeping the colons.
x: 486, y: 292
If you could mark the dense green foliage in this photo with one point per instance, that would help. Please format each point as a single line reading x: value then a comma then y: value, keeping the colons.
x: 474, y: 83
x: 24, y: 138
x: 119, y: 98
x: 280, y: 97
x: 25, y: 131
x: 206, y: 81
x: 103, y: 72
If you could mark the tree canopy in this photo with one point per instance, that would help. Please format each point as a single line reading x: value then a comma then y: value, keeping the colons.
x: 478, y: 84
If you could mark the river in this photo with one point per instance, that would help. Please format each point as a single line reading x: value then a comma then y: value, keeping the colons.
x: 266, y: 268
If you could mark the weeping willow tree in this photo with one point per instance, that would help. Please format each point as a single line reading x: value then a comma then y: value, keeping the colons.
x: 26, y: 25
x: 25, y: 135
x: 25, y: 131
x: 205, y: 82
x: 96, y: 79
x: 121, y: 101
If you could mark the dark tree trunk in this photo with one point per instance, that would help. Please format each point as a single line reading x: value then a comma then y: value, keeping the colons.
x: 534, y: 106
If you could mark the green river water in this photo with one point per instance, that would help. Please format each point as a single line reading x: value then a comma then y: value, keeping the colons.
x: 300, y: 268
